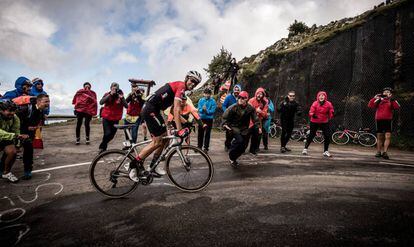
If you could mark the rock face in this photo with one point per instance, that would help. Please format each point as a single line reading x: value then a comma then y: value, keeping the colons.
x: 350, y: 59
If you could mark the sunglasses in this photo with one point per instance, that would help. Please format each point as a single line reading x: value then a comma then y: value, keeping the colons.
x: 194, y: 81
x: 291, y: 95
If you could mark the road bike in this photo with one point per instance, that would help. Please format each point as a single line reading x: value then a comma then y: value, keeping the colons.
x: 303, y: 133
x: 275, y: 129
x: 362, y: 136
x: 188, y: 168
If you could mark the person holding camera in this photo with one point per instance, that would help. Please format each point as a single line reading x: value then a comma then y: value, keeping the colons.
x: 86, y: 106
x: 320, y: 113
x: 288, y: 109
x: 135, y: 103
x: 385, y: 105
x: 9, y: 135
x: 114, y: 103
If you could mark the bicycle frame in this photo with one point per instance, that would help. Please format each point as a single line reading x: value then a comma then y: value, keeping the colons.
x: 351, y: 134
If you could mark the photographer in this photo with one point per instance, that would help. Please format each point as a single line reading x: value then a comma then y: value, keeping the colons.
x: 114, y: 103
x: 384, y: 105
x: 135, y: 104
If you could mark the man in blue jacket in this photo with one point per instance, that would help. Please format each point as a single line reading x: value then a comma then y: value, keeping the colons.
x: 23, y: 86
x: 37, y: 89
x: 228, y: 101
x: 206, y: 108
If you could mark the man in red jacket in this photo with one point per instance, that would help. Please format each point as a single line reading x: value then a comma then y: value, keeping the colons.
x: 385, y: 106
x: 320, y: 113
x: 260, y: 104
x: 86, y: 106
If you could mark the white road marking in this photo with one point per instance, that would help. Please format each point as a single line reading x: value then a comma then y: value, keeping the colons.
x: 395, y: 164
x: 61, y: 167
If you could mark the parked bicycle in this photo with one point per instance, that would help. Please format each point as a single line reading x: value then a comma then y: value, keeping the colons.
x: 362, y: 136
x: 275, y: 128
x: 189, y: 168
x: 303, y: 133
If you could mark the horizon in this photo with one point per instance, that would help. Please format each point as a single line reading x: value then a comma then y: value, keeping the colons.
x: 112, y: 41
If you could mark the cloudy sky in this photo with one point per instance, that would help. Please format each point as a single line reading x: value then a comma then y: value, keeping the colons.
x: 68, y: 42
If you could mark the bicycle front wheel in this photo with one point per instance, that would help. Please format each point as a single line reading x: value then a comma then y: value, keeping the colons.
x: 108, y: 174
x: 318, y: 138
x: 340, y: 138
x: 367, y: 139
x: 189, y: 168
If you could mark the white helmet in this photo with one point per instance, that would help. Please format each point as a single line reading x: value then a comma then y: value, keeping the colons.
x: 195, y: 75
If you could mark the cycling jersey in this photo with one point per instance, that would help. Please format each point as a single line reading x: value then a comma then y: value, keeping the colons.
x: 164, y: 97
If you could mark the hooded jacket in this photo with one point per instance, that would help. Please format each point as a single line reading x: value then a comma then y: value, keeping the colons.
x: 321, y: 112
x: 384, y: 108
x: 114, y: 107
x: 262, y: 105
x: 35, y: 91
x: 230, y: 99
x: 210, y: 108
x: 9, y: 129
x: 85, y: 101
x: 19, y: 88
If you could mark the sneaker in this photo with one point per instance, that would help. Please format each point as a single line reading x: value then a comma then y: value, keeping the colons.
x: 77, y: 141
x: 234, y: 164
x: 385, y: 156
x: 288, y: 149
x: 160, y: 171
x: 87, y: 141
x: 327, y: 154
x: 266, y: 148
x: 9, y: 176
x: 27, y: 176
x: 378, y: 155
x: 305, y: 151
x: 283, y: 150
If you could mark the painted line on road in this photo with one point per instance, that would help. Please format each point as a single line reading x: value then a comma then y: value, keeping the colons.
x: 61, y: 167
x: 396, y: 164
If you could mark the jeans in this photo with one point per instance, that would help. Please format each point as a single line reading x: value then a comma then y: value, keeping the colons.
x: 80, y: 116
x: 238, y: 146
x: 109, y: 132
x: 134, y: 130
x: 287, y: 128
x: 204, y: 133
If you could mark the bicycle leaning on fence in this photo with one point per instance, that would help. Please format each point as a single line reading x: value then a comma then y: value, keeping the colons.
x: 362, y: 136
x: 303, y: 133
x: 275, y: 128
x: 188, y: 168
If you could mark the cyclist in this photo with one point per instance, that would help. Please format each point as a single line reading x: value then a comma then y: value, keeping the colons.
x: 171, y: 93
x: 384, y: 105
x: 288, y: 108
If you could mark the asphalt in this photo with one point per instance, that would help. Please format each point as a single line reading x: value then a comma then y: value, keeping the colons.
x: 273, y: 199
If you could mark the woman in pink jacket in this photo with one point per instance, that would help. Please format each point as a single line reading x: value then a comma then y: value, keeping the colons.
x: 320, y: 113
x: 86, y: 107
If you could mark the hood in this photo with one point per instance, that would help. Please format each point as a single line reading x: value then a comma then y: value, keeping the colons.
x: 260, y: 90
x: 20, y: 82
x: 36, y: 82
x: 322, y: 92
x: 238, y: 86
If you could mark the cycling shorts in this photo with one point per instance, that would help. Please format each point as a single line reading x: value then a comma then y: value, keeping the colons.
x: 153, y: 120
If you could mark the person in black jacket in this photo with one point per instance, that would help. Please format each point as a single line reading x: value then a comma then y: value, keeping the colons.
x: 31, y: 118
x: 236, y: 120
x: 288, y: 108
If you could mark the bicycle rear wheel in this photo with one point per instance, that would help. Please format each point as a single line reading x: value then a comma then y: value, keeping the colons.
x: 194, y: 173
x: 319, y: 137
x: 367, y: 139
x: 296, y: 135
x: 108, y: 174
x: 340, y: 138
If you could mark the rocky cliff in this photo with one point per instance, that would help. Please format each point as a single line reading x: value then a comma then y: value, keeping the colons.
x: 351, y: 59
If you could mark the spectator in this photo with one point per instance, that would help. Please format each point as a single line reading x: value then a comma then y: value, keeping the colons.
x: 320, y: 113
x: 228, y: 101
x: 23, y: 87
x: 31, y: 118
x: 114, y: 103
x: 288, y: 108
x: 135, y: 103
x: 236, y: 120
x: 260, y: 104
x: 37, y: 89
x: 86, y: 106
x: 9, y: 134
x: 385, y: 105
x: 206, y: 108
x: 233, y: 69
x: 268, y: 121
